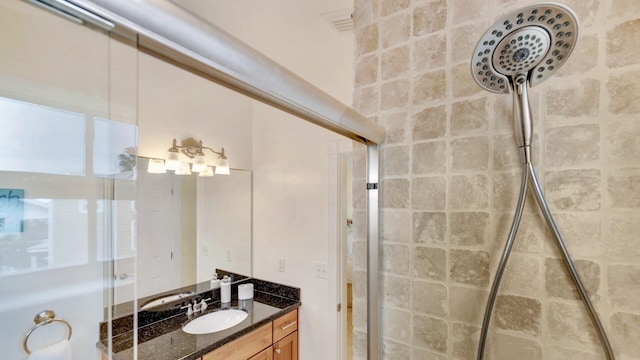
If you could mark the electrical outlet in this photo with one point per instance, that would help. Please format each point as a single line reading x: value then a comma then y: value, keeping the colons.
x: 281, y: 265
x: 228, y: 255
x: 321, y: 270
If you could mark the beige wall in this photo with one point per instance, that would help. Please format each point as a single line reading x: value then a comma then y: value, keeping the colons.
x: 450, y: 175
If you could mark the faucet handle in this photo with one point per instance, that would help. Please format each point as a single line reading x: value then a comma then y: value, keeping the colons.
x: 203, y: 305
x: 189, y: 310
x: 196, y: 306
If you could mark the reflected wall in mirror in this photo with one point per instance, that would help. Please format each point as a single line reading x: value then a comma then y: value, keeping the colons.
x: 187, y: 226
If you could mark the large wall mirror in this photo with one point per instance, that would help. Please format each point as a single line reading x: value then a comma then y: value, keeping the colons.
x: 187, y: 226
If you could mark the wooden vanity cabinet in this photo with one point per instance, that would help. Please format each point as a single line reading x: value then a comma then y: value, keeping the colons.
x: 277, y: 340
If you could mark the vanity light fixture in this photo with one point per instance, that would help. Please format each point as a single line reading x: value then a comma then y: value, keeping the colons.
x: 193, y: 150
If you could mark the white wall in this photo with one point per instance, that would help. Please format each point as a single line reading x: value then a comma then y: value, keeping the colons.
x: 290, y: 156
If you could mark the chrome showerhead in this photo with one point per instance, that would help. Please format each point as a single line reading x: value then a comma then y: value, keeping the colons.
x: 532, y: 42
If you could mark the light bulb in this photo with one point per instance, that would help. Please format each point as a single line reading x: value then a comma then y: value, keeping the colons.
x: 208, y: 171
x: 199, y: 163
x: 173, y: 161
x: 156, y: 166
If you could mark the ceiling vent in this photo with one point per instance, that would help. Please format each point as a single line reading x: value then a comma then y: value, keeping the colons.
x: 340, y: 19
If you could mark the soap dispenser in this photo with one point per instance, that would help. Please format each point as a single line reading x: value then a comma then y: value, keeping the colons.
x: 215, y: 282
x: 225, y: 289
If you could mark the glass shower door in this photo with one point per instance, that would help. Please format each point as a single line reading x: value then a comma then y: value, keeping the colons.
x: 68, y: 144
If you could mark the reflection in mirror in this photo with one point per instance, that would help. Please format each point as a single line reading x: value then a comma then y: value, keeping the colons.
x: 187, y: 226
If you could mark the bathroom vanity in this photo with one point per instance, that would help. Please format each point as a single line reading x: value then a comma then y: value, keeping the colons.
x: 270, y: 330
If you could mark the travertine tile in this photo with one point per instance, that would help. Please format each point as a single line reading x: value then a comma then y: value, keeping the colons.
x: 359, y: 315
x: 365, y: 12
x: 522, y: 276
x: 572, y: 145
x: 464, y: 340
x: 622, y: 43
x: 531, y: 235
x: 395, y: 259
x: 505, y: 191
x: 469, y: 116
x: 430, y: 123
x: 469, y: 267
x: 624, y: 7
x: 462, y: 82
x: 429, y: 227
x: 396, y: 226
x: 430, y: 333
x: 430, y: 52
x: 464, y: 40
x: 359, y: 197
x: 360, y: 345
x: 624, y: 286
x: 391, y: 7
x: 395, y: 62
x: 428, y: 193
x: 395, y: 323
x: 624, y: 92
x: 366, y: 39
x: 397, y: 127
x: 558, y: 282
x: 395, y: 160
x: 395, y: 193
x: 430, y: 263
x: 507, y: 347
x: 392, y: 350
x: 366, y: 70
x: 625, y: 334
x: 581, y: 232
x: 580, y: 100
x: 586, y: 11
x: 622, y: 240
x: 429, y: 298
x: 418, y: 353
x: 570, y: 323
x: 583, y: 58
x: 395, y: 30
x: 506, y: 155
x: 573, y: 189
x: 470, y: 154
x: 466, y: 10
x: 396, y: 291
x: 429, y: 87
x: 519, y: 314
x: 469, y: 192
x: 429, y: 158
x: 622, y: 138
x: 394, y: 94
x: 558, y: 353
x: 429, y: 18
x: 359, y: 284
x: 623, y: 186
x: 469, y: 228
x: 365, y: 100
x: 466, y: 304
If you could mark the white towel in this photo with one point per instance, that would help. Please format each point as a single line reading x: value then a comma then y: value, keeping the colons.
x: 58, y: 351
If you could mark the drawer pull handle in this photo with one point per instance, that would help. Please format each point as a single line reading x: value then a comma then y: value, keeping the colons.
x: 285, y: 327
x: 278, y: 351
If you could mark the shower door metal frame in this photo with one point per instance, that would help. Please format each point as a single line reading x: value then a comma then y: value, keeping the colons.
x: 210, y: 52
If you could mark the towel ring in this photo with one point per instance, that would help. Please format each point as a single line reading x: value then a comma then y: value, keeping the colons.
x: 44, y: 317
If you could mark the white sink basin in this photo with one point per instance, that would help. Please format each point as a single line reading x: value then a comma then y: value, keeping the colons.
x: 215, y: 321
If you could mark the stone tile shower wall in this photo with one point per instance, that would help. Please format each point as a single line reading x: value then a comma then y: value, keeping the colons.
x: 450, y: 176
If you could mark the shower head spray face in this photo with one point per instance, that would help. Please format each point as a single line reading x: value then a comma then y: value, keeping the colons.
x: 533, y: 41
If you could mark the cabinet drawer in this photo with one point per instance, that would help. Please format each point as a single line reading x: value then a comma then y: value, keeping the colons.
x: 285, y: 325
x: 244, y: 347
x: 266, y: 354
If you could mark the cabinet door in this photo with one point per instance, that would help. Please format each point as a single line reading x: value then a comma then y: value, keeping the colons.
x: 244, y: 347
x: 266, y: 354
x: 286, y: 348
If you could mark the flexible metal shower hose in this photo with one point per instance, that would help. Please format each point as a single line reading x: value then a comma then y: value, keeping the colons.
x: 529, y: 174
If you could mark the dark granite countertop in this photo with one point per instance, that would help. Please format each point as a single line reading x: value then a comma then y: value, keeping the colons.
x: 160, y: 335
